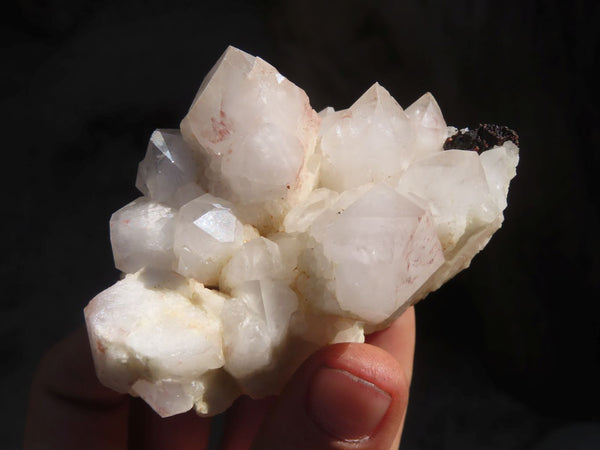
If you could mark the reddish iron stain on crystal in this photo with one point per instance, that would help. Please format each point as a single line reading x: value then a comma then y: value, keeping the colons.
x: 220, y: 128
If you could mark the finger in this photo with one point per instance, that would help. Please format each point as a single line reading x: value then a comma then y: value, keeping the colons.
x: 345, y: 396
x: 68, y: 407
x: 243, y: 422
x: 399, y: 340
x: 149, y: 431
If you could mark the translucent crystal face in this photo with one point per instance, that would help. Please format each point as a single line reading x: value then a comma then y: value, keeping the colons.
x: 382, y: 239
x: 366, y: 143
x: 167, y: 167
x: 141, y: 235
x: 254, y: 133
x: 207, y: 234
x: 267, y: 231
x: 454, y: 188
x: 428, y: 124
x: 255, y: 323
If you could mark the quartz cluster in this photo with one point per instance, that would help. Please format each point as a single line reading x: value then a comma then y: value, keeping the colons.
x: 266, y: 231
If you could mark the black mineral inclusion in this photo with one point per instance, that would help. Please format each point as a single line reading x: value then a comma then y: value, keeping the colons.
x: 482, y: 138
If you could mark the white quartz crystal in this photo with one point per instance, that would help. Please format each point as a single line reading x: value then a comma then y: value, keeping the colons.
x: 177, y: 339
x: 267, y: 231
x: 254, y: 134
x: 168, y: 171
x: 255, y: 323
x: 429, y: 126
x: 368, y: 142
x: 381, y: 239
x: 141, y: 234
x: 207, y: 234
x: 258, y: 259
x: 453, y: 186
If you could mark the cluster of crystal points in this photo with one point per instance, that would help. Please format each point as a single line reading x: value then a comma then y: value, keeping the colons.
x: 267, y: 230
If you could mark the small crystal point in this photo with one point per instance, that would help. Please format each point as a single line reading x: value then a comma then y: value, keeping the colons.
x: 167, y: 166
x: 377, y: 98
x: 426, y: 112
x: 255, y: 323
x: 258, y: 259
x: 207, y: 233
x: 141, y: 235
x: 429, y: 124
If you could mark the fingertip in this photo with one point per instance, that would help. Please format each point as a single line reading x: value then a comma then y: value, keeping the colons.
x: 344, y: 396
x: 370, y: 363
x: 345, y: 406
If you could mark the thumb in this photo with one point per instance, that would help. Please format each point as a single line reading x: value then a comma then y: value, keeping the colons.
x: 344, y: 396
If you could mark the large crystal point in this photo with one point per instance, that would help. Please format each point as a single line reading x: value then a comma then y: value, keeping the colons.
x: 267, y: 231
x: 254, y: 133
x: 370, y: 257
x: 167, y: 168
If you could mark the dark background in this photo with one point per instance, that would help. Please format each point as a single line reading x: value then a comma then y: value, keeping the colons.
x: 508, y: 353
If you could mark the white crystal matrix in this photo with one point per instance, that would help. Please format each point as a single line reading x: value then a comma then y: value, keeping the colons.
x: 267, y: 230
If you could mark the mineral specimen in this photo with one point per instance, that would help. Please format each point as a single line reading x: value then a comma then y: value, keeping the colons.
x: 267, y: 230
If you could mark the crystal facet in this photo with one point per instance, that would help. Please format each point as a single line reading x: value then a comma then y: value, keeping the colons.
x: 207, y: 233
x: 141, y: 234
x: 428, y: 123
x: 267, y: 231
x: 168, y: 167
x: 255, y: 133
x: 368, y: 142
x: 382, y: 239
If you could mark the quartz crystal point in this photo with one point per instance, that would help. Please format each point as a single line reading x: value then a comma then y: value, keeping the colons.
x: 141, y: 234
x: 254, y: 134
x: 207, y: 234
x: 168, y: 172
x: 267, y: 231
x: 368, y: 142
x: 381, y: 239
x: 429, y: 127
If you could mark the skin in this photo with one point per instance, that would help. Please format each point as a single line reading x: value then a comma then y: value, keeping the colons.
x: 345, y: 396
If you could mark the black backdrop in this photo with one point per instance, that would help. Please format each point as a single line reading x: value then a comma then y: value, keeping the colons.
x: 507, y: 353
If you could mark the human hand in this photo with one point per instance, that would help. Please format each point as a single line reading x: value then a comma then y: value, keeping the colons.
x: 344, y: 396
